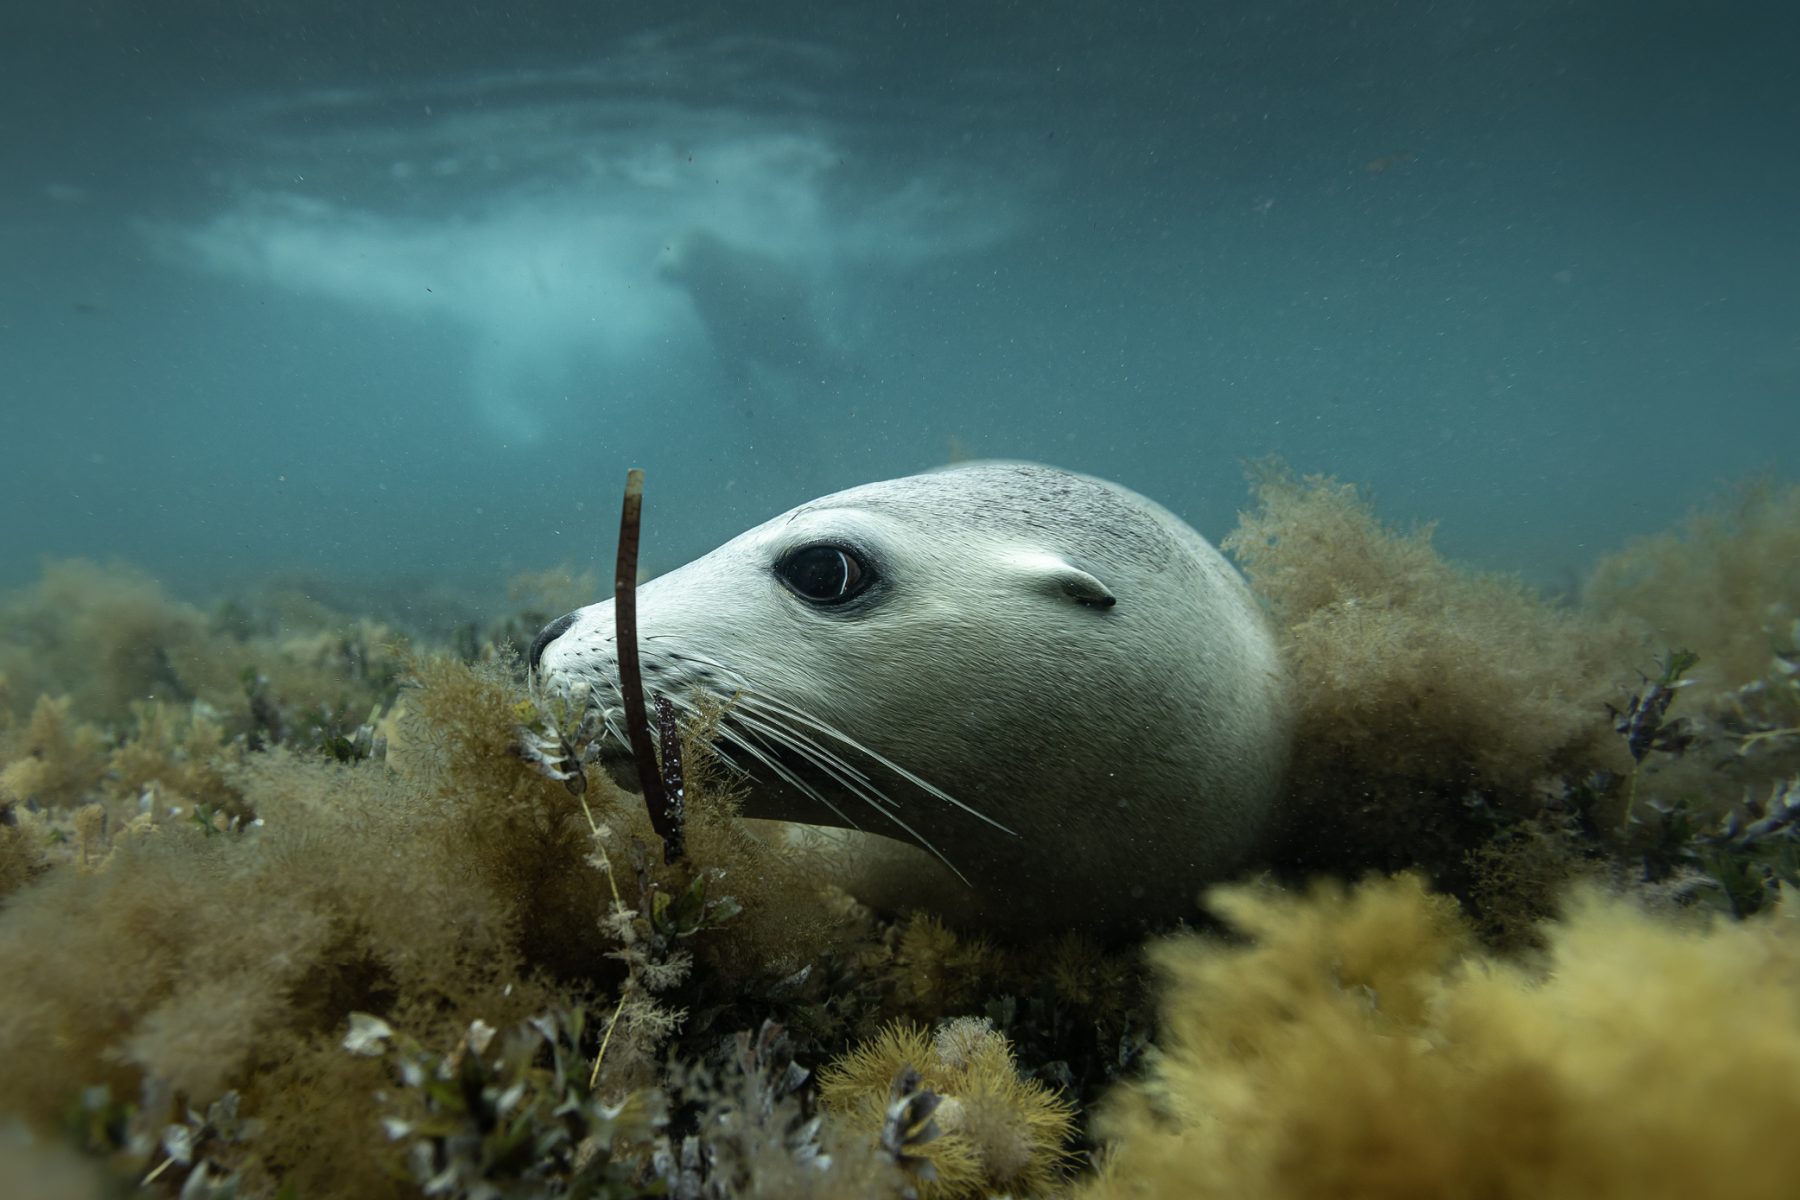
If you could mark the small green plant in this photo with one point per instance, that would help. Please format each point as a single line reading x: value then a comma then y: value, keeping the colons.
x: 98, y: 1123
x: 558, y: 737
x: 202, y: 816
x: 266, y: 725
x: 340, y: 736
x: 649, y: 938
x: 198, y: 1156
x: 1764, y: 714
x: 510, y: 1113
x: 754, y: 1130
x: 1745, y: 857
x: 1644, y: 723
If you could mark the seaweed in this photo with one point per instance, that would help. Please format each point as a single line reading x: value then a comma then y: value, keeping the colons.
x: 755, y: 1131
x: 663, y: 803
x: 199, y: 889
x: 508, y: 1113
x: 21, y: 858
x: 1725, y: 582
x: 649, y: 938
x: 953, y: 1109
x: 54, y: 760
x: 1413, y: 673
x: 1644, y: 723
x: 1355, y: 1043
x: 672, y: 784
x: 1440, y: 709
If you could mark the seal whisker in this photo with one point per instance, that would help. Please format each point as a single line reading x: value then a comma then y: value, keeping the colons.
x: 771, y: 705
x: 609, y: 722
x: 863, y: 794
x: 841, y: 768
x: 853, y: 781
x: 846, y: 776
x: 935, y: 852
x: 786, y: 774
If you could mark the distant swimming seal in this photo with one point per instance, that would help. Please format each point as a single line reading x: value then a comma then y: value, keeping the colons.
x: 1051, y: 682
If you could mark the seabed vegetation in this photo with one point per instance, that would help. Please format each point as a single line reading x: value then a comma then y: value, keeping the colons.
x: 288, y: 908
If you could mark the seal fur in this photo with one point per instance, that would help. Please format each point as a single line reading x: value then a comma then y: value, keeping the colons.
x: 1050, y: 682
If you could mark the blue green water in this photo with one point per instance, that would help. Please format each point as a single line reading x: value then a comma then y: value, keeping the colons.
x: 398, y: 291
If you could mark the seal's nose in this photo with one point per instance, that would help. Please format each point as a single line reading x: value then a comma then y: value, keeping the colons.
x: 546, y: 635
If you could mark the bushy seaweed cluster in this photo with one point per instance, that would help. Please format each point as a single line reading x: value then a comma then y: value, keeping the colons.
x: 1460, y: 724
x: 508, y: 1113
x: 197, y: 911
x: 290, y: 909
x: 953, y: 1108
x: 1356, y: 1043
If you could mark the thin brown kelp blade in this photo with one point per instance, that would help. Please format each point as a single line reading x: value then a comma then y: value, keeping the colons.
x: 664, y: 817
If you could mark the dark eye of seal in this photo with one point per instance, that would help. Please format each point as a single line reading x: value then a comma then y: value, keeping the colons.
x: 824, y: 573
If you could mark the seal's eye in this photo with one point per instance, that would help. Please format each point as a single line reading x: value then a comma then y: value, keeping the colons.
x: 823, y: 574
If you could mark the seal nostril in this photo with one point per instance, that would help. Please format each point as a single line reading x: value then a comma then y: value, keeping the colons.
x: 548, y: 634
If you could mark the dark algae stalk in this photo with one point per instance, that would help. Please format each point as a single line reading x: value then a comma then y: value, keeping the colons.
x: 662, y: 784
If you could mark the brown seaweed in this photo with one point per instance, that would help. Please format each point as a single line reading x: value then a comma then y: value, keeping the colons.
x: 665, y: 816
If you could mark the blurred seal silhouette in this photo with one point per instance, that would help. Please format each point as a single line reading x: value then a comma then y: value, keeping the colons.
x: 1050, y: 683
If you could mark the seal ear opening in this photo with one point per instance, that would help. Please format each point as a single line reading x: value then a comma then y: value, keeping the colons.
x: 1055, y: 576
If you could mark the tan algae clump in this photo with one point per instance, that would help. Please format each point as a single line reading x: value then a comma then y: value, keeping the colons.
x: 172, y: 951
x: 1356, y: 1046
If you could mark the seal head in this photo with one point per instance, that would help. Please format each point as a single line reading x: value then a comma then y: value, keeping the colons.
x: 1052, y: 684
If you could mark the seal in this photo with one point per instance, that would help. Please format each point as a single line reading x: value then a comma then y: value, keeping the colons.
x: 1052, y: 684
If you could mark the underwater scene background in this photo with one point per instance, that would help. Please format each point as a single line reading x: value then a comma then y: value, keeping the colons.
x: 328, y: 332
x: 373, y: 289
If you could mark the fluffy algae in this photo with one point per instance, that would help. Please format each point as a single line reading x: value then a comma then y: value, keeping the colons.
x: 283, y: 911
x: 1360, y: 1046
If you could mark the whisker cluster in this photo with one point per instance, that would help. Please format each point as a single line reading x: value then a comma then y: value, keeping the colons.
x: 757, y: 729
